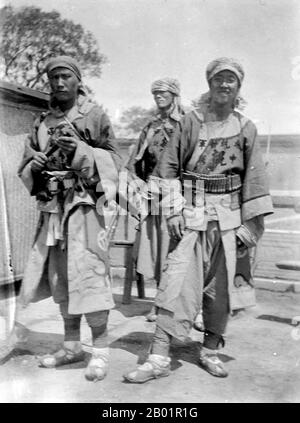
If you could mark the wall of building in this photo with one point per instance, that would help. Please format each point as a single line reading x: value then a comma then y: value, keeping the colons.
x: 19, y: 107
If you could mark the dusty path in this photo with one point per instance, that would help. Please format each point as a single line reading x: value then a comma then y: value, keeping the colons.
x: 262, y: 355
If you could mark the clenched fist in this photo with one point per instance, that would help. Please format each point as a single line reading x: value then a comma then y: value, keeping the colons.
x: 67, y: 141
x: 38, y: 162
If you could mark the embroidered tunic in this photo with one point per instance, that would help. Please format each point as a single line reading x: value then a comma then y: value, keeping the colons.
x: 194, y: 271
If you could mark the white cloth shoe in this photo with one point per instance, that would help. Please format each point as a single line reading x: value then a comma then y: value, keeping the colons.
x: 98, y: 364
x: 71, y: 352
x: 210, y: 362
x: 155, y: 367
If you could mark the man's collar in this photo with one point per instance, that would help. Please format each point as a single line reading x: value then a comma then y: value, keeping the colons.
x: 82, y: 106
x: 174, y: 114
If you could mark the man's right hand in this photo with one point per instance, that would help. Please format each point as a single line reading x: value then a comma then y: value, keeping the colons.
x: 176, y: 226
x: 38, y: 162
x: 138, y: 184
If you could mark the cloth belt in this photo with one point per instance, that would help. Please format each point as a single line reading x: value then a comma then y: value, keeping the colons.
x: 215, y: 184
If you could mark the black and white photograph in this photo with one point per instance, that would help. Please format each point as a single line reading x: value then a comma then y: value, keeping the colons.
x: 149, y: 204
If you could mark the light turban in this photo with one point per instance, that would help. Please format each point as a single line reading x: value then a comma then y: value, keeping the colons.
x: 166, y: 84
x: 225, y: 63
x: 64, y: 62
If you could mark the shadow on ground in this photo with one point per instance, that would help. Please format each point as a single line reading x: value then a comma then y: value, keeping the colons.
x: 276, y: 319
x: 139, y: 343
x: 137, y: 307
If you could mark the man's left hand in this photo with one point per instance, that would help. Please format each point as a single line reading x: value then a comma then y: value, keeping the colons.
x: 68, y: 144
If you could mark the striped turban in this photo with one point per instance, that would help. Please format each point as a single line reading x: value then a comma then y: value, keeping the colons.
x: 225, y: 63
x: 64, y: 62
x: 166, y: 84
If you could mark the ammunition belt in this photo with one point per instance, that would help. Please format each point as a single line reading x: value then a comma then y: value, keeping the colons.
x: 216, y: 184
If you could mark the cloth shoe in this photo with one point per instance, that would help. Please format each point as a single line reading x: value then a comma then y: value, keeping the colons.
x: 210, y: 362
x: 98, y: 365
x: 155, y: 367
x: 71, y: 352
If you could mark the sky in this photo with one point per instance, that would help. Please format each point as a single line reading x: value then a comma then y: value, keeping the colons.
x: 148, y: 39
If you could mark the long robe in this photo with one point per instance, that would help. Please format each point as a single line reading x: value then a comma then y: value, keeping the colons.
x: 152, y: 238
x: 73, y: 231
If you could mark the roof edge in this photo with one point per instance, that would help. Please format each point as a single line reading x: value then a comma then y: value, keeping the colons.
x: 20, y: 89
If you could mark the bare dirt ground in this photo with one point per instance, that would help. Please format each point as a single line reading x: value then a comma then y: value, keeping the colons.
x: 262, y: 354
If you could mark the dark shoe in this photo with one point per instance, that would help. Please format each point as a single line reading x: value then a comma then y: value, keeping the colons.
x: 154, y: 368
x: 61, y: 358
x: 213, y: 365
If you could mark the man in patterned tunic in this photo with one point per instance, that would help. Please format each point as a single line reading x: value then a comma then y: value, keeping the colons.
x: 214, y: 159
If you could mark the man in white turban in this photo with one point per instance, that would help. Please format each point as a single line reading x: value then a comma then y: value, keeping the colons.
x: 152, y: 239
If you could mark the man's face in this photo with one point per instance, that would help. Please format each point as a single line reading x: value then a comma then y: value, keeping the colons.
x: 163, y: 99
x: 64, y: 84
x: 224, y: 87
